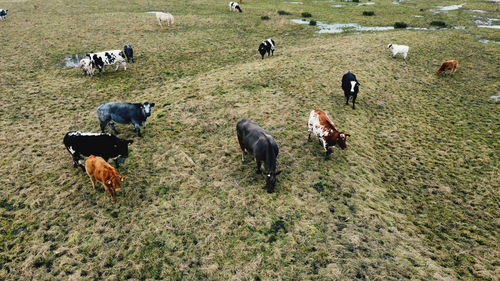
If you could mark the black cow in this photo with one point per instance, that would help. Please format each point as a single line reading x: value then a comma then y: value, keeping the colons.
x: 104, y: 145
x: 124, y: 113
x: 254, y: 139
x: 266, y: 46
x: 3, y: 13
x: 350, y: 87
x: 129, y: 52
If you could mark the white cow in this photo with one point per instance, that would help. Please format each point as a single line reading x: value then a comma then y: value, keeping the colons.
x: 167, y: 17
x: 102, y: 59
x: 398, y: 49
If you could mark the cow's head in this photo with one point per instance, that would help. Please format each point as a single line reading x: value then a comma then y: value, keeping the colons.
x: 146, y: 108
x: 115, y: 182
x: 271, y: 180
x: 341, y: 140
x: 262, y: 49
x: 121, y: 148
x: 389, y: 46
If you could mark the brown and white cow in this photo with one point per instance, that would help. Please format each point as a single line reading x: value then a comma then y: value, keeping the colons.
x: 448, y: 65
x: 322, y: 126
x: 99, y: 169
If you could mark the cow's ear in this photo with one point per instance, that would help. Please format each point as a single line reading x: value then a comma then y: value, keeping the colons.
x: 153, y: 104
x: 108, y: 182
x: 122, y: 178
x: 347, y: 135
x: 130, y: 141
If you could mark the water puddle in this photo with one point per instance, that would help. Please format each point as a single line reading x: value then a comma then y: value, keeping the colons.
x: 477, y: 11
x: 445, y: 9
x: 419, y: 16
x: 495, y: 97
x: 487, y: 23
x: 298, y: 3
x: 72, y: 61
x: 342, y: 27
x: 337, y: 6
x: 364, y: 4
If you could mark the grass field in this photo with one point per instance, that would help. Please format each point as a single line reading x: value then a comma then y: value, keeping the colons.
x: 415, y: 195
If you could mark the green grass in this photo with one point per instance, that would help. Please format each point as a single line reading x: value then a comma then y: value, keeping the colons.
x: 415, y: 195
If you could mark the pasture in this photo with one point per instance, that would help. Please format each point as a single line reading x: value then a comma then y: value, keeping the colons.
x: 415, y: 195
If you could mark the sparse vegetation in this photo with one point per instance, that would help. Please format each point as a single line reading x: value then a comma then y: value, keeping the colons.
x: 306, y: 15
x: 264, y: 18
x: 414, y: 197
x: 368, y: 13
x: 400, y: 25
x: 438, y: 23
x: 312, y: 22
x: 284, y: 13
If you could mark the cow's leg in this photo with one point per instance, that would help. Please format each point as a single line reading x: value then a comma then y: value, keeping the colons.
x: 116, y: 162
x: 112, y: 126
x: 354, y: 101
x: 346, y: 96
x: 110, y: 190
x: 124, y: 66
x: 259, y: 163
x: 91, y: 180
x: 327, y: 154
x: 159, y: 22
x: 103, y: 126
x: 117, y: 66
x: 327, y: 151
x: 137, y: 128
x: 309, y: 138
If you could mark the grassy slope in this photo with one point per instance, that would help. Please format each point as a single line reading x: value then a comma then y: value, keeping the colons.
x: 415, y: 196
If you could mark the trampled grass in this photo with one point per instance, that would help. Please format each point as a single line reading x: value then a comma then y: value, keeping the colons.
x: 415, y: 195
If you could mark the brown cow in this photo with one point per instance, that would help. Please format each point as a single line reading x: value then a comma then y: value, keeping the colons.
x: 99, y: 169
x: 448, y: 65
x: 322, y: 127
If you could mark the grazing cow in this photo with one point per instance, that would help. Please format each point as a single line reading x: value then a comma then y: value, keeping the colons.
x: 124, y: 113
x: 254, y: 139
x: 398, y: 49
x: 233, y: 6
x: 166, y: 17
x: 104, y: 145
x: 322, y: 127
x: 266, y: 46
x: 87, y: 66
x: 129, y: 52
x: 350, y: 85
x: 102, y: 59
x: 3, y: 13
x: 448, y: 65
x: 98, y: 169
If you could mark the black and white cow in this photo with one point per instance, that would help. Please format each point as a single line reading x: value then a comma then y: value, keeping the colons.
x: 102, y: 59
x: 124, y: 113
x: 266, y: 46
x: 3, y: 13
x: 350, y: 85
x: 233, y: 6
x: 104, y: 145
x: 254, y: 139
x: 129, y: 52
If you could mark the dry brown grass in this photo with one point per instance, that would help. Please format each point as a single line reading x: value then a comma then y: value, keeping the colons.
x: 414, y: 197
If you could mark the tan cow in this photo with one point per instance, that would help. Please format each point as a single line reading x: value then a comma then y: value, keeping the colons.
x: 448, y: 65
x: 99, y: 169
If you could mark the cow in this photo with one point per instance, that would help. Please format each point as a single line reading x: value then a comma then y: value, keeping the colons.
x: 322, y: 127
x: 266, y: 46
x: 398, y: 49
x: 3, y: 13
x: 98, y: 169
x: 350, y: 85
x: 253, y: 139
x: 448, y: 65
x: 129, y: 52
x: 87, y: 66
x: 166, y: 17
x: 233, y: 6
x: 104, y: 145
x: 124, y: 113
x: 102, y: 59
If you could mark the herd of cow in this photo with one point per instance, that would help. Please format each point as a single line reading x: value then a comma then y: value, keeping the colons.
x: 100, y: 147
